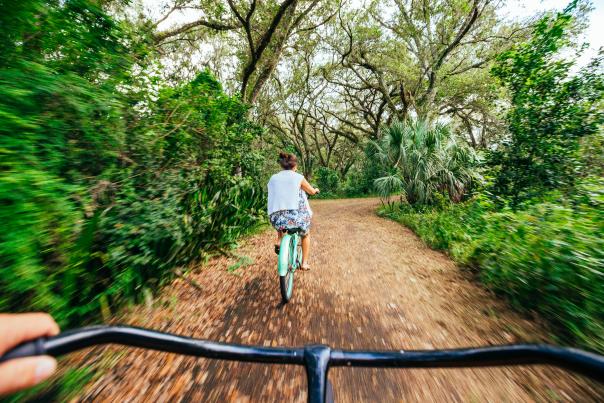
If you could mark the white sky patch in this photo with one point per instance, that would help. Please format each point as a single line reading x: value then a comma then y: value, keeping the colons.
x: 159, y: 8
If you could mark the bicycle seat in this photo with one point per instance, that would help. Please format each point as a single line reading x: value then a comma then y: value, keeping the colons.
x: 292, y: 231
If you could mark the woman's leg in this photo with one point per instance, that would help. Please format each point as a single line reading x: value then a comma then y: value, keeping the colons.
x: 279, y: 237
x: 278, y: 244
x: 305, y: 249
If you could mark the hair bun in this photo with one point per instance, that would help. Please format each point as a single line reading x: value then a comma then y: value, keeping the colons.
x: 287, y: 160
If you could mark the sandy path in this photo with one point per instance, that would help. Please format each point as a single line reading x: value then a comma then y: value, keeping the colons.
x: 374, y: 285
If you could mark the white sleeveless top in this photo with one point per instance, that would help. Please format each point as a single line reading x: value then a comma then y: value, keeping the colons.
x: 284, y: 191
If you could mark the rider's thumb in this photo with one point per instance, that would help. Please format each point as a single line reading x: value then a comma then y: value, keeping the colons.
x: 25, y: 372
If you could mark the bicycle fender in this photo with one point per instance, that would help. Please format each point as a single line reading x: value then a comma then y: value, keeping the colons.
x: 284, y: 255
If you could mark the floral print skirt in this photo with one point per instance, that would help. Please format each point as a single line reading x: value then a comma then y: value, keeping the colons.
x: 284, y: 220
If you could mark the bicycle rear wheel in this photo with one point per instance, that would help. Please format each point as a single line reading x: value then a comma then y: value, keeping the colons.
x: 286, y: 281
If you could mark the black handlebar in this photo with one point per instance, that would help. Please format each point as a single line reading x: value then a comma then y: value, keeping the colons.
x: 77, y: 339
x: 316, y: 358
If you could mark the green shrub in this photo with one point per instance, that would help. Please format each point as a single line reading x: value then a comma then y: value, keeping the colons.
x: 592, y: 157
x: 551, y: 261
x: 328, y: 181
x: 106, y: 183
x: 359, y: 181
x: 547, y: 258
x: 552, y: 107
x: 423, y: 160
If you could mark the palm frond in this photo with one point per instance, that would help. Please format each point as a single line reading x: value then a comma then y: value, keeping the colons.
x: 423, y: 160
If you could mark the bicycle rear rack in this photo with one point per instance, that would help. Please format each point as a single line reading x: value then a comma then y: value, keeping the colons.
x: 317, y: 359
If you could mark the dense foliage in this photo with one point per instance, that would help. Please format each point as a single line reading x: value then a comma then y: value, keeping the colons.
x: 108, y: 176
x: 423, y: 161
x: 551, y: 110
x: 328, y: 181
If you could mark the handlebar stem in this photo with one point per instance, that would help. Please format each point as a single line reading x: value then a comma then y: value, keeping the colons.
x: 316, y: 361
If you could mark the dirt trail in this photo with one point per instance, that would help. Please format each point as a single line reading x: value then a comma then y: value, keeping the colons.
x: 374, y: 285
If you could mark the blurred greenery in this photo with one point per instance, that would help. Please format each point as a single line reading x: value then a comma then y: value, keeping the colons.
x: 533, y: 230
x: 547, y: 259
x: 328, y: 182
x: 109, y: 177
x: 552, y: 108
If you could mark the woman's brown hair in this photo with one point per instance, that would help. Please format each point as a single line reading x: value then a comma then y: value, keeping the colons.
x: 287, y: 161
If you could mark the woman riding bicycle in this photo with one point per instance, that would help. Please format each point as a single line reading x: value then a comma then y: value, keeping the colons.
x: 288, y: 206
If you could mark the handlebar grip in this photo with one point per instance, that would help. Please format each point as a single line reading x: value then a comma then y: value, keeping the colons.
x: 27, y: 349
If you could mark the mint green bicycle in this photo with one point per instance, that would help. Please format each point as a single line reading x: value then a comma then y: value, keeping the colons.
x: 290, y: 259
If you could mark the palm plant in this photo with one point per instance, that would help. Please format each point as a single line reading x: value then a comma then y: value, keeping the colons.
x: 423, y: 160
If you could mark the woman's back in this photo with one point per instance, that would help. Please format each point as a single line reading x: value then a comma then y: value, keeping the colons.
x: 284, y: 191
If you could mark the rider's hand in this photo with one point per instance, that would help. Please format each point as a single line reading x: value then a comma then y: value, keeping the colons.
x: 316, y: 190
x: 23, y: 373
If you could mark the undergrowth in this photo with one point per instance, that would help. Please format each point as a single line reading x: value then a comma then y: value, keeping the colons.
x: 546, y: 258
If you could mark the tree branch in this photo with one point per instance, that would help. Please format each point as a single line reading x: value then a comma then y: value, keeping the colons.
x: 263, y: 44
x: 215, y: 25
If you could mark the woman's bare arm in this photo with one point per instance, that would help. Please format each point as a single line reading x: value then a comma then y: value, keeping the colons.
x: 308, y: 188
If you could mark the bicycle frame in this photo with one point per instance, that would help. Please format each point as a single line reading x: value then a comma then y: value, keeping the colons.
x: 317, y: 359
